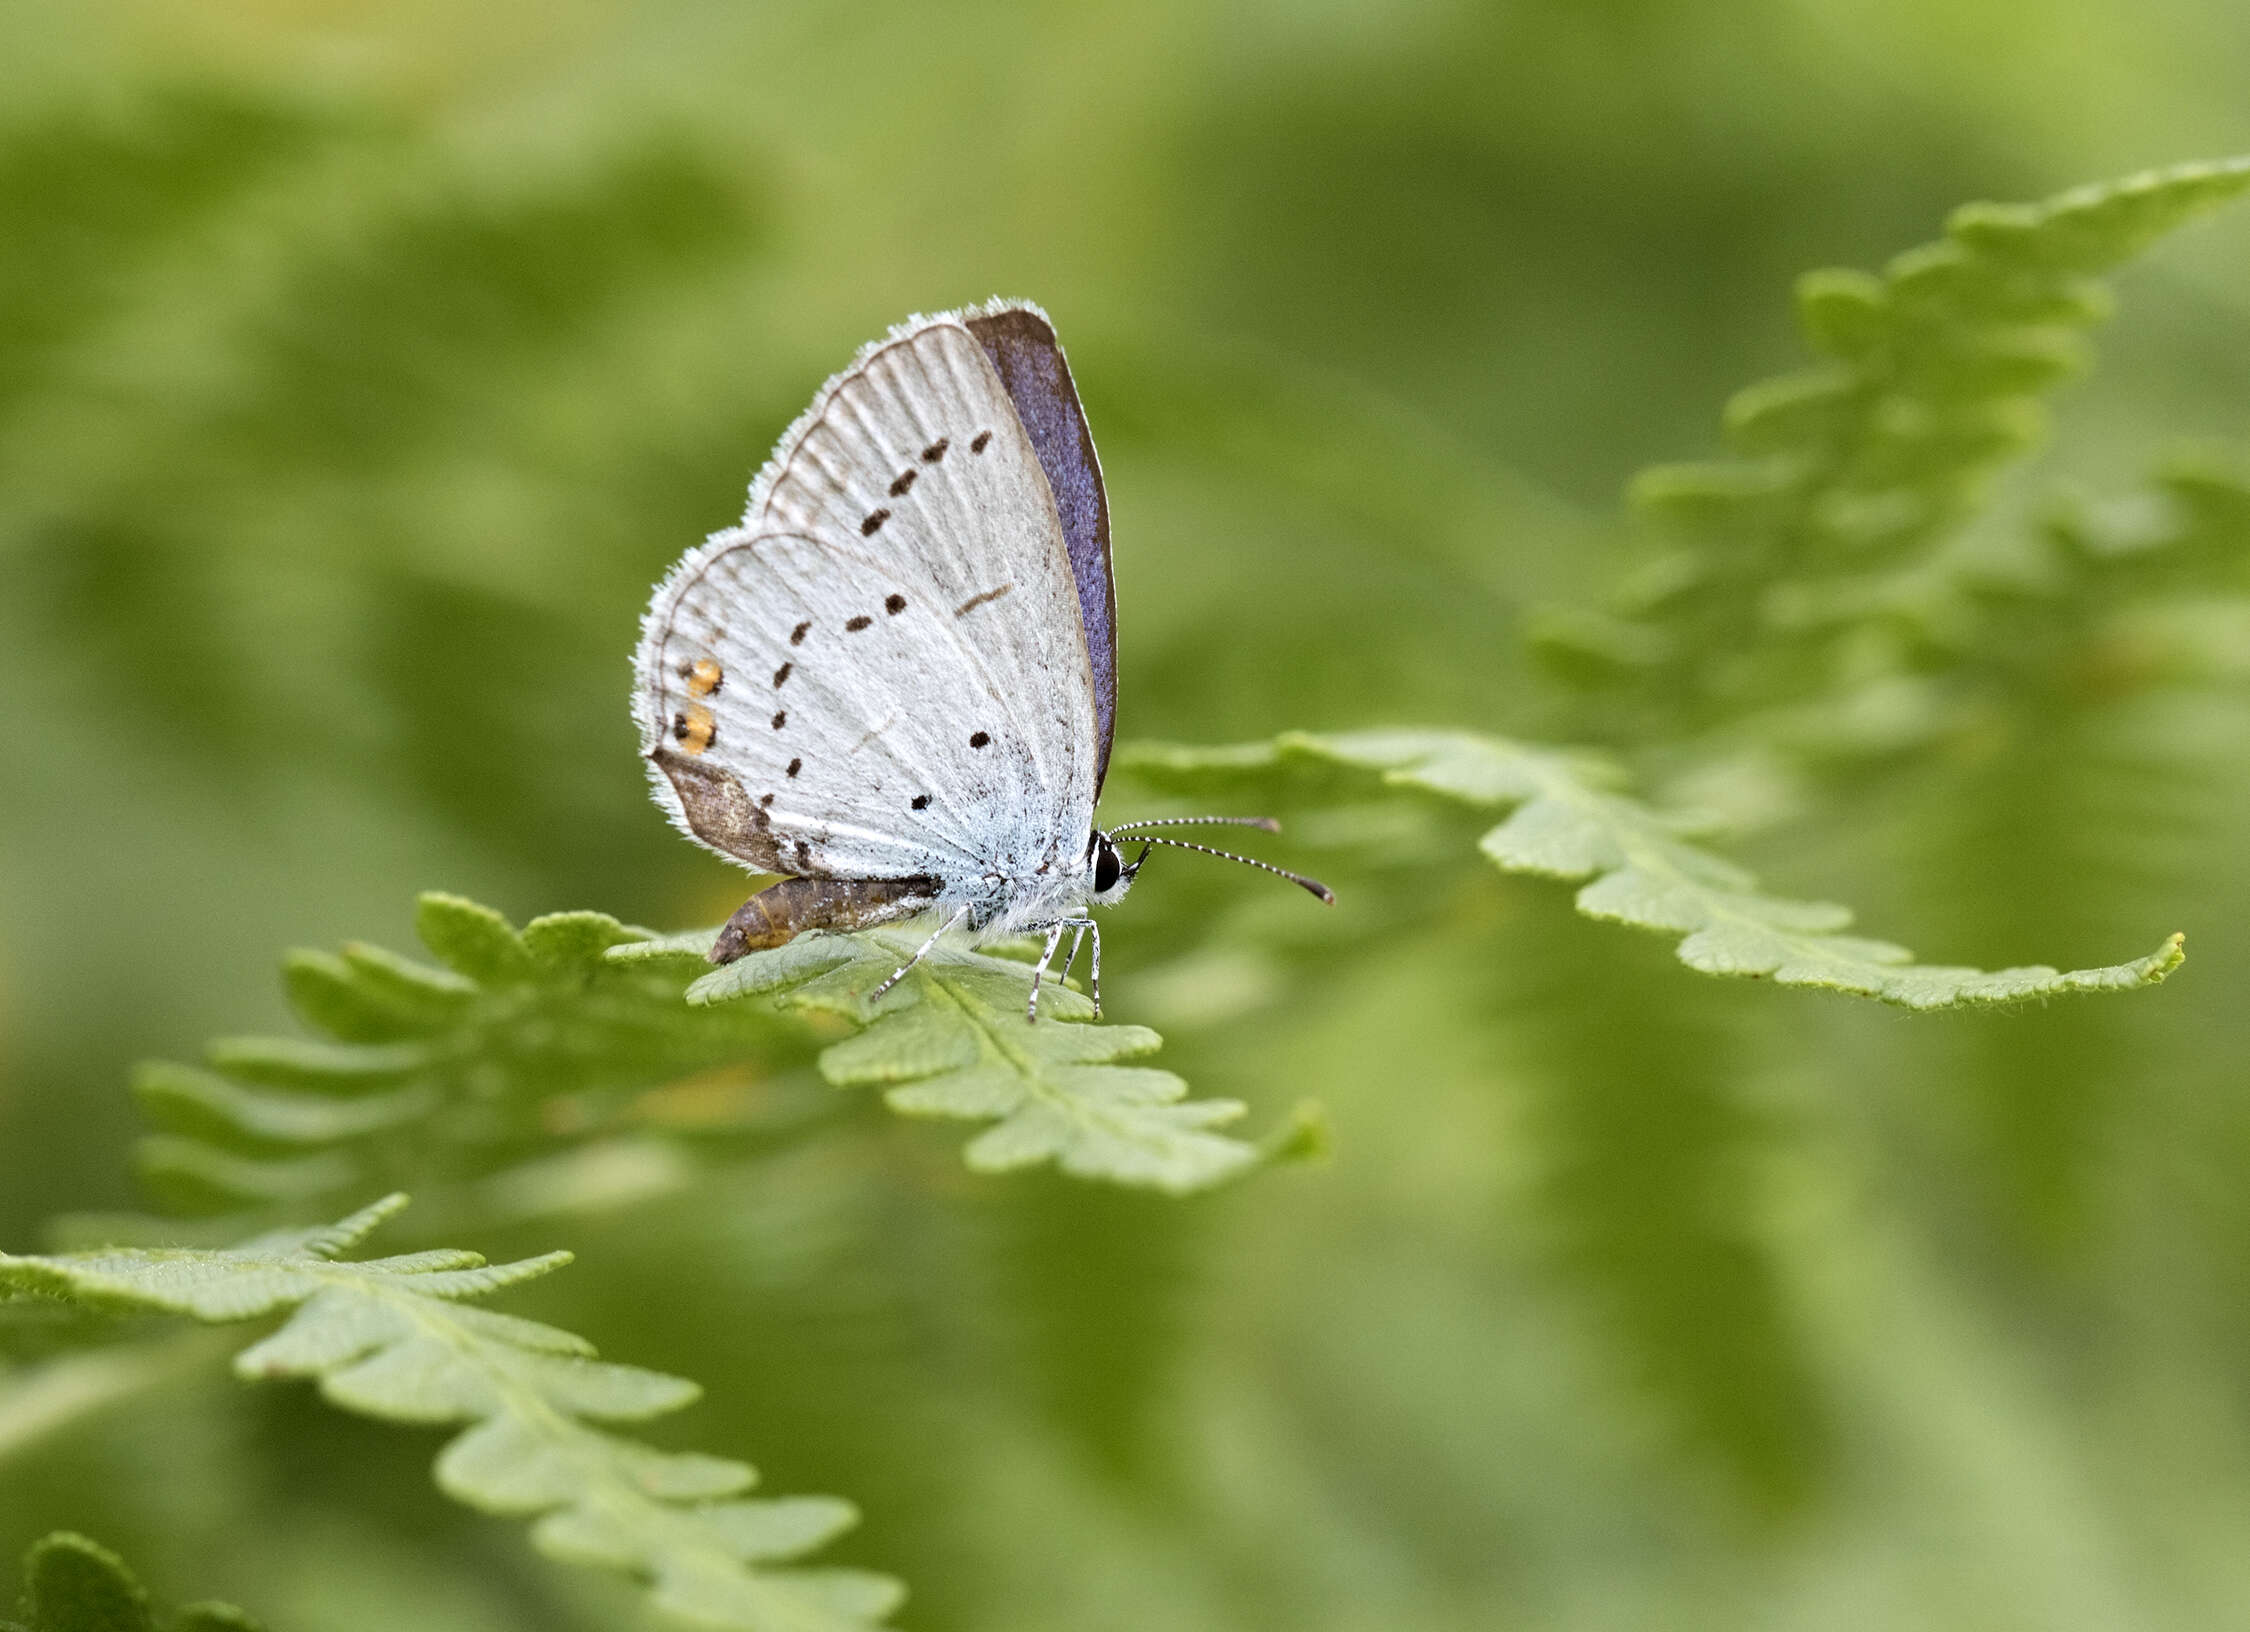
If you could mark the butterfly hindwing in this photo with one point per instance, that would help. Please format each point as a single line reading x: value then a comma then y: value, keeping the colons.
x: 865, y: 680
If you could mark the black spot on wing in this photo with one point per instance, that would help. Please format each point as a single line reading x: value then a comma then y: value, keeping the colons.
x: 782, y: 673
x: 873, y: 523
x: 797, y: 635
x: 977, y: 442
x: 855, y: 625
x: 905, y: 481
x: 780, y: 718
x: 979, y: 739
x: 894, y: 604
x: 921, y: 801
x: 795, y: 766
x: 934, y: 452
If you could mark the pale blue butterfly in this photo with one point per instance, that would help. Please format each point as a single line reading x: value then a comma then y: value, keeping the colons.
x: 896, y: 680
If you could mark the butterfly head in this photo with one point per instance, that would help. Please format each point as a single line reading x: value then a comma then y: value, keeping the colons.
x: 1112, y: 874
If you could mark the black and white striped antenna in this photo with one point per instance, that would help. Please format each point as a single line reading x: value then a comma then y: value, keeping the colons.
x: 1130, y: 832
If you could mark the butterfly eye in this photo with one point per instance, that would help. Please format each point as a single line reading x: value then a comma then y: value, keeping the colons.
x: 1106, y: 867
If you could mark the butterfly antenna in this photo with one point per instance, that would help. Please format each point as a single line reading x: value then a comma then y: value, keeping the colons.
x: 1264, y: 824
x: 1299, y: 879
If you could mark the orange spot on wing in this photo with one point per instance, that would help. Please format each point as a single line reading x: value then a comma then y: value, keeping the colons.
x: 703, y: 677
x: 693, y: 728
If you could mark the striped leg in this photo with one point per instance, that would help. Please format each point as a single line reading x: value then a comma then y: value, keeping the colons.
x: 920, y: 953
x: 1046, y: 956
x: 1081, y: 927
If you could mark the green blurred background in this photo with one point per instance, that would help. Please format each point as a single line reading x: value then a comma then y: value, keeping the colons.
x: 361, y: 366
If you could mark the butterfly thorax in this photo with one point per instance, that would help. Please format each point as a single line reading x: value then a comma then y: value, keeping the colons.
x: 995, y: 904
x: 998, y: 905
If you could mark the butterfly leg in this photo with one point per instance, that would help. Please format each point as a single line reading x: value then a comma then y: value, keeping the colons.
x: 1079, y: 926
x: 920, y: 953
x: 1046, y: 956
x: 1081, y: 930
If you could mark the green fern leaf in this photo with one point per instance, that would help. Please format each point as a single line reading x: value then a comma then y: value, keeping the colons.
x: 76, y: 1585
x: 1932, y: 383
x: 72, y: 1584
x: 1570, y: 823
x: 952, y: 1039
x: 1995, y: 626
x: 523, y: 1039
x: 2188, y: 530
x: 446, y: 1070
x: 392, y: 1338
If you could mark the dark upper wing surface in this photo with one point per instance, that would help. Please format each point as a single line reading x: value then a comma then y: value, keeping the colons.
x: 1023, y: 349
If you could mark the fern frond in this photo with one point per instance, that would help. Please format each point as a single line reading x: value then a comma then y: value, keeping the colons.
x: 1988, y: 628
x: 1570, y: 823
x: 395, y: 1338
x: 2187, y: 531
x: 1861, y: 469
x: 951, y: 1039
x: 513, y: 1041
x: 72, y: 1584
x: 1641, y: 1201
x: 519, y: 1041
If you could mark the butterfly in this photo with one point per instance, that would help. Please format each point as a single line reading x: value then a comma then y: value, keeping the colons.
x: 896, y: 679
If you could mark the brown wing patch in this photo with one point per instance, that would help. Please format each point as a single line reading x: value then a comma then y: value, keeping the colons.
x: 719, y: 812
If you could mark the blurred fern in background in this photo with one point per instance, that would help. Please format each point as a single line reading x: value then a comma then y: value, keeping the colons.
x: 361, y: 367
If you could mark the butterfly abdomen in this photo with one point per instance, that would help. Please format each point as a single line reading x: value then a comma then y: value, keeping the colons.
x: 777, y: 915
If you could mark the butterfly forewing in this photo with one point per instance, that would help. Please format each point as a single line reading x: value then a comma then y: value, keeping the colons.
x: 864, y: 680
